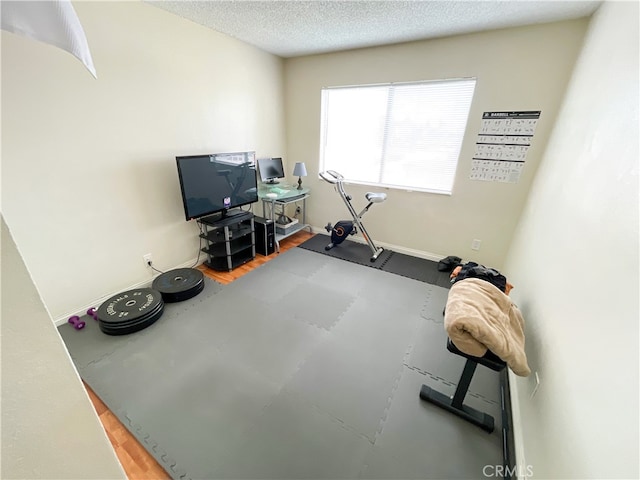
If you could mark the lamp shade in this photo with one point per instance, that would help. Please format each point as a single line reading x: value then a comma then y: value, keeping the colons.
x: 299, y: 170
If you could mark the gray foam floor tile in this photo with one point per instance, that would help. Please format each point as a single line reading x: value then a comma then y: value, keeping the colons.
x: 403, y: 294
x: 266, y: 284
x: 90, y: 344
x: 435, y: 304
x: 299, y: 262
x: 176, y: 346
x: 344, y: 276
x: 430, y: 355
x: 202, y: 415
x: 232, y: 314
x: 294, y: 440
x: 352, y: 386
x: 316, y: 304
x: 275, y: 350
x: 143, y: 368
x: 420, y: 440
x: 377, y: 335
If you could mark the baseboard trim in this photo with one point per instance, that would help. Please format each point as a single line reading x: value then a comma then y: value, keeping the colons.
x: 144, y: 284
x: 519, y: 461
x: 508, y: 449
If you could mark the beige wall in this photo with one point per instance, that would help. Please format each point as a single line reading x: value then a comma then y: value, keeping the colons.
x: 516, y: 69
x: 89, y: 181
x: 574, y: 262
x: 49, y: 427
x: 89, y: 185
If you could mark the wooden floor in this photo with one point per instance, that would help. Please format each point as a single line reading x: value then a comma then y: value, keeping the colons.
x: 135, y: 460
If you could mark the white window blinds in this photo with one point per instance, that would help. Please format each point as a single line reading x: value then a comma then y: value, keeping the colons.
x: 403, y: 135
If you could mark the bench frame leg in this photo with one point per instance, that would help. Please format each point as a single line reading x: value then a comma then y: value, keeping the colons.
x: 455, y: 404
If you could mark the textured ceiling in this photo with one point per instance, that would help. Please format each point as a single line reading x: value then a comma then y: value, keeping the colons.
x: 291, y: 28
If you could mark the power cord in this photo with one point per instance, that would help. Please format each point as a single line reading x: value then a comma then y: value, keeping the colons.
x: 150, y: 265
x: 202, y: 233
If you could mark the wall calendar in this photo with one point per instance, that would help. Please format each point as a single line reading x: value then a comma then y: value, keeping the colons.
x: 502, y: 145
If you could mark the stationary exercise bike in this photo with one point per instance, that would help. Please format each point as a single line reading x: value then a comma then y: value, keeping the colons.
x: 342, y: 229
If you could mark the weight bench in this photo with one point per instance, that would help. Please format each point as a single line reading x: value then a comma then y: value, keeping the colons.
x: 455, y: 404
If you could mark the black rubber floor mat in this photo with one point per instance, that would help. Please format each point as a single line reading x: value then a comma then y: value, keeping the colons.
x: 408, y: 266
x: 350, y: 251
x: 416, y: 268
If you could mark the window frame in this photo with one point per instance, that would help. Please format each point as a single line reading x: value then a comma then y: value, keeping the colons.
x: 466, y: 109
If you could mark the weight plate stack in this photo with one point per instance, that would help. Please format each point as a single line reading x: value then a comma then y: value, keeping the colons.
x: 130, y: 311
x: 179, y: 284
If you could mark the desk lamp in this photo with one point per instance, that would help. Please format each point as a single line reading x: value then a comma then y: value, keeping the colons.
x: 299, y: 171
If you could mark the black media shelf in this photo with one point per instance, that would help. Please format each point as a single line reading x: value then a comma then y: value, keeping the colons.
x: 230, y: 240
x: 221, y: 264
x: 220, y: 249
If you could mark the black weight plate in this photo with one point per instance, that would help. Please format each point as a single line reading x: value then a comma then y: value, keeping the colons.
x: 130, y: 305
x: 125, y: 323
x: 184, y: 295
x: 109, y: 330
x: 178, y: 280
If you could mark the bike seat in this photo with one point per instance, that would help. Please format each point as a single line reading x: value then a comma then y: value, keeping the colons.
x: 375, y: 197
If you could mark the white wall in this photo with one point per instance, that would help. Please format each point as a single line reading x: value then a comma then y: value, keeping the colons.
x: 89, y: 181
x: 517, y: 69
x: 574, y: 263
x: 49, y: 427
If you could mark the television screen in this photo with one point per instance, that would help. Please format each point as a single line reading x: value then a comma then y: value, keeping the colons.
x: 270, y: 169
x: 215, y: 183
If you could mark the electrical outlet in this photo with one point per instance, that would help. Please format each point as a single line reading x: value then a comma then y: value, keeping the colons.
x: 148, y: 260
x: 475, y: 245
x: 298, y: 210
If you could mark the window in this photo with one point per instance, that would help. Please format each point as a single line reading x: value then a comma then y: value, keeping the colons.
x: 398, y: 135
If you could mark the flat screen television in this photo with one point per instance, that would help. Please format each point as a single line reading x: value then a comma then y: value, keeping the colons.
x: 270, y: 170
x: 216, y: 183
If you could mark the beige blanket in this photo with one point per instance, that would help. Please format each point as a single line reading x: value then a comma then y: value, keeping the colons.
x: 479, y: 316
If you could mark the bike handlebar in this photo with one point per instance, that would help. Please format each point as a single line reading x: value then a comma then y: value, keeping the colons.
x: 331, y: 176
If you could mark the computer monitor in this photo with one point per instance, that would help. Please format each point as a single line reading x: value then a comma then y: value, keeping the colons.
x: 270, y: 170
